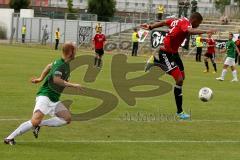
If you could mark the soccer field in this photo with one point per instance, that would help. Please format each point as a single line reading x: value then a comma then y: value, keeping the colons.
x: 213, y: 133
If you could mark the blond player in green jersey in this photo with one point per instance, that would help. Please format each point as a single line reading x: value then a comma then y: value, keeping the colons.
x: 56, y: 77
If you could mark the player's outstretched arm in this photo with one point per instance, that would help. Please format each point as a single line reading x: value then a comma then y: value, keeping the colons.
x: 195, y: 31
x: 43, y: 74
x: 152, y: 26
x: 57, y: 80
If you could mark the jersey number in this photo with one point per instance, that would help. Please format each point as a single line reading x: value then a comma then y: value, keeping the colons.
x: 173, y: 25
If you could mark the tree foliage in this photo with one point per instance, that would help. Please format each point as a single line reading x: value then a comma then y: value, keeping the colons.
x: 71, y: 10
x: 105, y: 9
x: 238, y: 1
x: 19, y: 4
x: 220, y: 4
x: 70, y: 6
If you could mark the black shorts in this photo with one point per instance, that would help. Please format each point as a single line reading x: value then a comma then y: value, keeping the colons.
x: 168, y: 61
x: 100, y: 52
x: 210, y: 55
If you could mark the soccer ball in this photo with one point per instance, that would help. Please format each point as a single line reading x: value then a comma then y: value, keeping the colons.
x: 205, y: 94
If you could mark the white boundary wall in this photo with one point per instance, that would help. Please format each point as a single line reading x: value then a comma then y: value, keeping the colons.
x: 26, y: 13
x: 6, y: 20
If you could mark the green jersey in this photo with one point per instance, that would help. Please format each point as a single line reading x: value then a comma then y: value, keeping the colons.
x: 49, y: 89
x: 230, y: 45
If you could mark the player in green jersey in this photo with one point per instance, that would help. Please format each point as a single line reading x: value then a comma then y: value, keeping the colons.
x: 230, y: 60
x: 56, y: 77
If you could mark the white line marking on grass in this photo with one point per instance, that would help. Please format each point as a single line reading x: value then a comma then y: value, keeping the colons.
x: 133, y: 141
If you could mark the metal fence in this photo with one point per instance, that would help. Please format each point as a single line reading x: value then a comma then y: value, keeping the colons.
x: 42, y: 30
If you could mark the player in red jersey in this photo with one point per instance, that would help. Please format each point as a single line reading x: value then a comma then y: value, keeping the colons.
x: 168, y: 58
x: 237, y: 57
x: 210, y: 53
x: 98, y: 44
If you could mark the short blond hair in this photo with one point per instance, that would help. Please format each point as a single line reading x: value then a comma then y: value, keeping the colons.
x: 68, y: 46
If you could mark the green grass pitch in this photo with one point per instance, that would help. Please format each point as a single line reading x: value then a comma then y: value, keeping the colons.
x: 212, y: 134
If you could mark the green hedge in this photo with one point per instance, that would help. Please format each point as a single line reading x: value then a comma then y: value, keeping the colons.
x: 3, y: 33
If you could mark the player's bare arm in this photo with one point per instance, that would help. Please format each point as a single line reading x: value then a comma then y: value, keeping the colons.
x: 104, y: 43
x: 57, y: 80
x: 93, y: 44
x: 237, y: 50
x: 195, y: 31
x: 43, y: 74
x: 152, y: 26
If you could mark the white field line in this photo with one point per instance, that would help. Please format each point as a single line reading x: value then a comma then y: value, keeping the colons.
x: 133, y: 141
x: 123, y: 120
